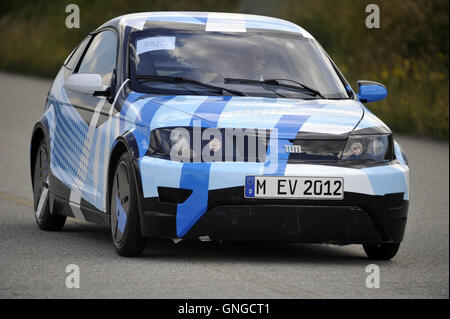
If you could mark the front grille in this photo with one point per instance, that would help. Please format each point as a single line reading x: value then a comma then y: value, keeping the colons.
x: 317, y: 150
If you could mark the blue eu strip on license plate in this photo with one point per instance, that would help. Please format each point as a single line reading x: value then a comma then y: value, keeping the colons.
x: 250, y: 186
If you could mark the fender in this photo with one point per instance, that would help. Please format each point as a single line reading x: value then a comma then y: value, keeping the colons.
x: 128, y: 141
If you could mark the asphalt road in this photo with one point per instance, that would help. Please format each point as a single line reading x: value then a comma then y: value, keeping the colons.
x: 33, y: 262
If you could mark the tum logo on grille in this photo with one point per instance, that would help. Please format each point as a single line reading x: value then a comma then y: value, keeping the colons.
x: 293, y: 148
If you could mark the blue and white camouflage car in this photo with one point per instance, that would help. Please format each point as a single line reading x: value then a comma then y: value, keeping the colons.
x: 216, y: 126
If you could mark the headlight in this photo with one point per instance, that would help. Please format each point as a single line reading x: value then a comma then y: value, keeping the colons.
x: 188, y: 144
x: 174, y: 143
x: 368, y: 147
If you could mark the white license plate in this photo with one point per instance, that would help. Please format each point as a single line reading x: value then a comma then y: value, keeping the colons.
x: 294, y: 187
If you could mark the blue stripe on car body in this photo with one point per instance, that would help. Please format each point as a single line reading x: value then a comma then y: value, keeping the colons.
x: 287, y: 128
x: 195, y: 176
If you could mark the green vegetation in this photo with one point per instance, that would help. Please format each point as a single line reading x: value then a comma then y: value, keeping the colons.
x: 409, y: 53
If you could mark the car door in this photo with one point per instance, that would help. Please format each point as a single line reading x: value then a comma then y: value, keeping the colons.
x: 79, y: 129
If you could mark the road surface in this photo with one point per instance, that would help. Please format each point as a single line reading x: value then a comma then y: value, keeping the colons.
x: 33, y: 262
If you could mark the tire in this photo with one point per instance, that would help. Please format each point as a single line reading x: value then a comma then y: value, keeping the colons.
x: 382, y: 252
x: 124, y: 211
x: 44, y: 219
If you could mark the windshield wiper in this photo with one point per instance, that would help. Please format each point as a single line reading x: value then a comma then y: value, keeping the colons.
x: 179, y: 79
x: 276, y: 82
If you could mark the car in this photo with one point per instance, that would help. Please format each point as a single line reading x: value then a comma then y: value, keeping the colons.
x: 216, y: 127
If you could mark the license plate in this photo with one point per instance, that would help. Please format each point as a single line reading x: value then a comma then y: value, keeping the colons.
x: 294, y: 187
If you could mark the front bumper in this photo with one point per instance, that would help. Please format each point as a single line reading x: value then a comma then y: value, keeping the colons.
x: 199, y: 199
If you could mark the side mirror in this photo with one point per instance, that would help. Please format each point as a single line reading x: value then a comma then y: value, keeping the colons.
x: 369, y: 91
x: 86, y: 83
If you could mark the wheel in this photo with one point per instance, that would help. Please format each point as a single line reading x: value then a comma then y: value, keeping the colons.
x: 125, y: 226
x: 382, y: 251
x: 44, y: 219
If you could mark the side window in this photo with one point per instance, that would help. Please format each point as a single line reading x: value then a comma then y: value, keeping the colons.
x: 72, y: 59
x: 100, y: 57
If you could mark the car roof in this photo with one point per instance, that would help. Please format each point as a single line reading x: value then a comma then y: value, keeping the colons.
x: 213, y: 21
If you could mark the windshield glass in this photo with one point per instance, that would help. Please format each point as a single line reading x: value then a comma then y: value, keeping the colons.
x: 211, y: 57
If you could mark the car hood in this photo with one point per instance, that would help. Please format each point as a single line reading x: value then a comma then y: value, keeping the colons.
x: 289, y: 116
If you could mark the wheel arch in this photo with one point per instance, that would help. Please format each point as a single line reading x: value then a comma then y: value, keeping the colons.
x: 125, y: 143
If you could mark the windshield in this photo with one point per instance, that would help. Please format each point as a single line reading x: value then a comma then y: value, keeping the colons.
x: 212, y: 57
